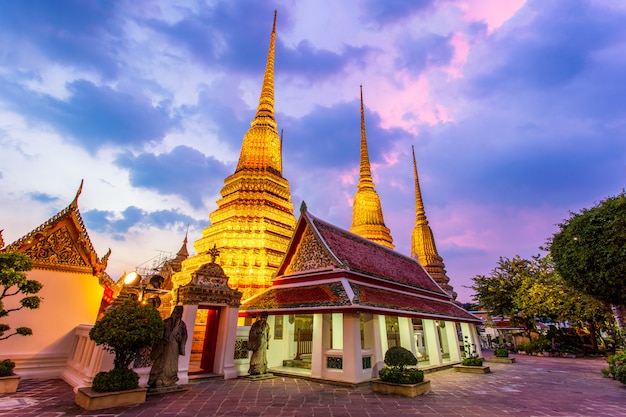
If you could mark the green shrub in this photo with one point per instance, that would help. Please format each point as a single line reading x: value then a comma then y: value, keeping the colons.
x: 472, y: 361
x: 617, y: 367
x: 115, y: 380
x: 401, y: 376
x: 620, y: 373
x: 6, y: 367
x: 127, y: 329
x: 400, y: 357
x: 535, y: 345
x: 397, y: 359
x: 501, y: 353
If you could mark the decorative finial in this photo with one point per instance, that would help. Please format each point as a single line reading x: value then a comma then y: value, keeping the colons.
x: 105, y: 258
x: 274, y: 26
x: 303, y: 208
x: 80, y: 190
x: 365, y: 175
x: 420, y: 212
x: 214, y: 252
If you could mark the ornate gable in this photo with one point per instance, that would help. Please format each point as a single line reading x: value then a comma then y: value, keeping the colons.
x: 310, y: 254
x: 62, y: 244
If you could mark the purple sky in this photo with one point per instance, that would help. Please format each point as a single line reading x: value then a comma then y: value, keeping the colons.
x: 516, y: 109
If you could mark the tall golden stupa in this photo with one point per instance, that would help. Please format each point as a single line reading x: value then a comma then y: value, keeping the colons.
x: 423, y: 243
x: 254, y: 220
x: 367, y: 212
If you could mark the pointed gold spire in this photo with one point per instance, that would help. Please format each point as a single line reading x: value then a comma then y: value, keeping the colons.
x: 423, y: 242
x: 367, y: 212
x: 265, y: 110
x: 261, y: 148
x: 254, y: 220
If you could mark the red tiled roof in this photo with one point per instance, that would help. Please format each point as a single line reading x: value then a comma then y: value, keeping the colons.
x: 381, y: 298
x: 363, y: 255
x: 321, y: 295
x: 334, y: 296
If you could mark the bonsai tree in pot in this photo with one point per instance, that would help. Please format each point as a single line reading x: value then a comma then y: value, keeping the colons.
x: 125, y: 330
x: 501, y: 352
x: 13, y: 282
x: 399, y: 376
x: 398, y: 359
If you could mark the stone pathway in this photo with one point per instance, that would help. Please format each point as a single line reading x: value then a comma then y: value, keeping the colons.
x: 534, y: 386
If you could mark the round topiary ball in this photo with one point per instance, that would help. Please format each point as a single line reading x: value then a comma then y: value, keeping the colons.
x: 400, y: 357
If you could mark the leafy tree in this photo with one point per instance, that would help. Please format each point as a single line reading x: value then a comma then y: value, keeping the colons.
x: 13, y: 282
x: 525, y: 290
x: 126, y: 329
x: 589, y: 251
x: 544, y: 293
x: 496, y: 292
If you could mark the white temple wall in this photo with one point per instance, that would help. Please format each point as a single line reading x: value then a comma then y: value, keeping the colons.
x: 69, y: 300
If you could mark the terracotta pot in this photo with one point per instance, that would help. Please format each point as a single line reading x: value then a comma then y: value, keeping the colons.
x: 92, y: 400
x: 472, y: 369
x: 406, y: 390
x: 9, y: 383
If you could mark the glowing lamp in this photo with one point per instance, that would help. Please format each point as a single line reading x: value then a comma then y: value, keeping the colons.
x: 132, y: 279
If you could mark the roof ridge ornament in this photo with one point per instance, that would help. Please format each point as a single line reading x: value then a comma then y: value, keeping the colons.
x: 74, y: 202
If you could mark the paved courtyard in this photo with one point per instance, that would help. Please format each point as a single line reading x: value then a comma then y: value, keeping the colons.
x: 534, y: 386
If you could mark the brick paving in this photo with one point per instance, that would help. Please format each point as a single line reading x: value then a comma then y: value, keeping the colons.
x: 534, y: 386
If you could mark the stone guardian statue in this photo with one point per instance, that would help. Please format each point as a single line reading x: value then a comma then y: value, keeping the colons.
x: 165, y: 352
x: 258, y: 339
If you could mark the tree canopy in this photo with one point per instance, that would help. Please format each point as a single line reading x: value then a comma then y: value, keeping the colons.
x: 126, y: 329
x: 13, y: 282
x: 589, y: 251
x: 527, y: 289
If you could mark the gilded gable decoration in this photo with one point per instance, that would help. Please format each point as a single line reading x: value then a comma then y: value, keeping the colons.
x: 309, y: 255
x: 63, y: 244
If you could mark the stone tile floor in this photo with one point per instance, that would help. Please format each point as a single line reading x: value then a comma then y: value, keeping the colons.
x: 534, y: 386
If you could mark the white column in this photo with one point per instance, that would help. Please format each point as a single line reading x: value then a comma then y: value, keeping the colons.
x: 321, y: 333
x: 226, y: 338
x: 189, y: 318
x: 372, y: 338
x: 453, y: 342
x: 352, y: 357
x: 337, y: 331
x: 431, y: 334
x: 382, y: 331
x: 405, y: 327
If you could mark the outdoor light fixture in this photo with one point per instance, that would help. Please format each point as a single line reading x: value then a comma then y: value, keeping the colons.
x: 131, y: 279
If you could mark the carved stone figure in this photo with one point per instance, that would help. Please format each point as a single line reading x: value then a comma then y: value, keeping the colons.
x: 258, y: 339
x: 165, y: 352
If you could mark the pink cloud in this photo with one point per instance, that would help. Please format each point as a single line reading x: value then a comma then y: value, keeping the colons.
x: 493, y: 13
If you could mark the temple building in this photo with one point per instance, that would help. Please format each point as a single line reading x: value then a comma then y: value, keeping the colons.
x: 367, y: 212
x: 73, y: 278
x: 254, y: 219
x: 339, y: 301
x: 423, y: 246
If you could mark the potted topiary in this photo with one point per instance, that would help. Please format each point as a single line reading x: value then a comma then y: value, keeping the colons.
x: 399, y: 376
x: 471, y: 363
x: 13, y: 282
x: 501, y: 355
x: 124, y: 330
